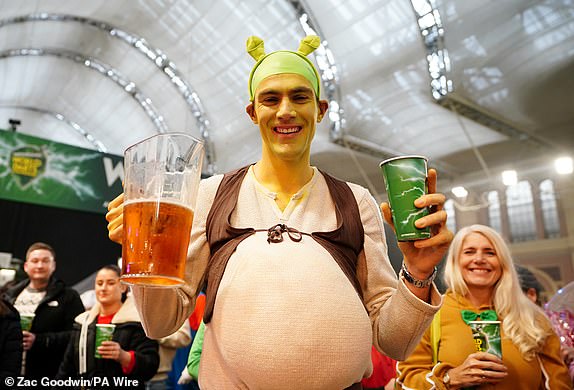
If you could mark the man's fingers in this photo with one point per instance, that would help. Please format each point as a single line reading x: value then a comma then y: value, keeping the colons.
x: 116, y: 229
x: 432, y: 179
x: 115, y: 219
x: 117, y: 234
x: 434, y: 200
x: 116, y: 202
x: 435, y: 218
x: 115, y: 222
x: 386, y: 211
x: 444, y: 237
x: 114, y: 212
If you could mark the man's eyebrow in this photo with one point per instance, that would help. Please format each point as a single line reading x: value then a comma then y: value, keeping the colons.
x: 272, y: 91
x: 268, y: 92
x: 301, y: 89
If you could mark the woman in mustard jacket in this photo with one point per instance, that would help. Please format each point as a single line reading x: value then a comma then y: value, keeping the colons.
x: 483, y: 285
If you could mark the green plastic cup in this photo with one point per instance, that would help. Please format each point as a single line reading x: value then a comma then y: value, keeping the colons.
x: 104, y: 332
x: 405, y: 181
x: 26, y: 321
x: 486, y: 336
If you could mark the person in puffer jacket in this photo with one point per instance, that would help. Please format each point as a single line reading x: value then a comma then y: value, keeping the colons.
x: 129, y: 359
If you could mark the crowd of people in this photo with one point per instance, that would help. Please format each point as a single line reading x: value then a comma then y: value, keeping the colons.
x: 319, y: 306
x: 53, y: 307
x: 57, y: 343
x: 480, y: 276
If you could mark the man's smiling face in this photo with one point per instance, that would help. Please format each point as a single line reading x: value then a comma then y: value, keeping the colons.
x: 286, y: 110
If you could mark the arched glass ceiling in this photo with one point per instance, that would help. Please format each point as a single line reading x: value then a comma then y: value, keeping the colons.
x: 380, y: 63
x: 328, y: 69
x: 153, y: 54
x: 60, y: 117
x: 102, y: 68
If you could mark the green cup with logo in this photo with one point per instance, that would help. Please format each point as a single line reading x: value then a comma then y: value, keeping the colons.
x: 104, y: 332
x: 26, y: 321
x: 486, y: 336
x: 405, y: 181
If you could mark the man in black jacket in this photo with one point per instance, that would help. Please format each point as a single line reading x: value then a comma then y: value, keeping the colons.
x: 10, y: 341
x: 54, y: 307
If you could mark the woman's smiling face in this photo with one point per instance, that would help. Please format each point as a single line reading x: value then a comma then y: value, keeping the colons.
x: 108, y: 287
x: 479, y: 263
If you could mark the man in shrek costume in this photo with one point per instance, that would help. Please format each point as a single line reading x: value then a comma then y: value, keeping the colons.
x: 299, y: 281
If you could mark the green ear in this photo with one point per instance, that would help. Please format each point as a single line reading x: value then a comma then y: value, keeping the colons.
x: 255, y: 47
x: 308, y: 44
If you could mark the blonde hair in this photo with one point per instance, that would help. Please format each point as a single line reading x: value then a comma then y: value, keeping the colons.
x: 522, y: 321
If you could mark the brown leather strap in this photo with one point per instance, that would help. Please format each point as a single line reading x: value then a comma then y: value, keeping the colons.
x: 223, y: 238
x: 344, y: 243
x: 355, y: 386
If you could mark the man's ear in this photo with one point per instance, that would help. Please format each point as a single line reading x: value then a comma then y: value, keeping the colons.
x: 532, y: 294
x: 323, y: 107
x: 250, y: 110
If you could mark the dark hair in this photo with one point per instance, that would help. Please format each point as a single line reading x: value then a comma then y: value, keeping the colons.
x: 527, y: 279
x: 112, y: 267
x: 3, y: 306
x: 118, y: 271
x: 40, y: 245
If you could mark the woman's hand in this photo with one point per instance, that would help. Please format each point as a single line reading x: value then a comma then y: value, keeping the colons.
x: 115, y: 218
x: 113, y: 350
x: 478, y: 368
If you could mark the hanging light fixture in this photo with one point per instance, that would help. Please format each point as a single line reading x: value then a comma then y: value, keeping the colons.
x: 509, y: 177
x: 459, y: 192
x: 564, y: 165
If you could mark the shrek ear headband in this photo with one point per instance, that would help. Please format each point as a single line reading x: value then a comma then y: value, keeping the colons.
x: 282, y: 61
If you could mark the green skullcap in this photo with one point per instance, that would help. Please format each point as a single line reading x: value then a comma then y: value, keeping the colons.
x: 283, y: 61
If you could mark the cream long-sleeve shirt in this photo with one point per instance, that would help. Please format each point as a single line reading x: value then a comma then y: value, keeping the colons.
x: 285, y: 315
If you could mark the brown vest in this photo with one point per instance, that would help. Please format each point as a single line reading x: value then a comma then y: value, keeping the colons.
x: 344, y: 243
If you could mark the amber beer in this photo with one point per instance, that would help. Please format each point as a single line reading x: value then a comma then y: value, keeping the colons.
x: 156, y: 237
x: 162, y: 175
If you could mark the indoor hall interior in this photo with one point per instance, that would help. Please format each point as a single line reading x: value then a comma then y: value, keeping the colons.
x: 483, y: 89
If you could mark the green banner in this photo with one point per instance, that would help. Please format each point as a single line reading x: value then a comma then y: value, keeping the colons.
x: 40, y: 171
